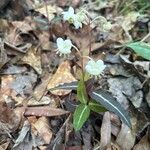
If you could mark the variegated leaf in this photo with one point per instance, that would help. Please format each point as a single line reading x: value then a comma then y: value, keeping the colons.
x: 110, y: 103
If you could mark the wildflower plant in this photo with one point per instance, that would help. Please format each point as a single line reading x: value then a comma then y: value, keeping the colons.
x: 76, y: 19
x: 90, y: 99
x: 64, y: 46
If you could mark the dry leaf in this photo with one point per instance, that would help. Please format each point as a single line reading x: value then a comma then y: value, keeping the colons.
x: 43, y: 129
x: 106, y: 131
x: 4, y: 146
x: 126, y: 138
x: 61, y: 76
x: 48, y: 10
x: 23, y: 26
x: 144, y: 144
x: 5, y: 85
x: 44, y: 40
x: 9, y: 119
x: 41, y: 88
x: 129, y: 20
x: 44, y: 111
x: 33, y: 59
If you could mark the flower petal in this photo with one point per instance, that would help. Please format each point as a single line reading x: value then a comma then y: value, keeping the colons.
x: 71, y: 10
x: 95, y: 68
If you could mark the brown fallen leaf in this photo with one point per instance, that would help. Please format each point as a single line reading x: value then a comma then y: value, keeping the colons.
x: 9, y: 119
x: 33, y: 59
x: 39, y: 91
x: 48, y: 9
x: 106, y: 132
x: 144, y: 144
x: 74, y: 147
x: 61, y: 76
x: 44, y: 111
x: 126, y: 138
x: 23, y: 26
x: 43, y: 129
x: 4, y: 146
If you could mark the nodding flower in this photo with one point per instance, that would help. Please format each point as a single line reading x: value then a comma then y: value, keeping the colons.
x: 64, y: 46
x: 95, y: 68
x: 75, y: 19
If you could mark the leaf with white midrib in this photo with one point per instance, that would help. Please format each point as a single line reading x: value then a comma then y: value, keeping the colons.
x: 110, y: 103
x: 81, y: 114
x: 66, y: 86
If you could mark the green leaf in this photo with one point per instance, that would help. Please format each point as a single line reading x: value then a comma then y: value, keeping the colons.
x: 66, y: 86
x: 110, y: 103
x: 141, y: 48
x: 81, y: 92
x: 80, y: 115
x: 96, y: 107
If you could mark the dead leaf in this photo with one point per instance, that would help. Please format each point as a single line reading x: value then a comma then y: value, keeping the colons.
x: 48, y: 9
x: 105, y: 132
x: 44, y: 111
x: 61, y: 76
x: 148, y: 94
x: 42, y: 126
x: 12, y: 69
x: 40, y: 89
x: 23, y: 26
x: 26, y: 139
x: 3, y: 54
x: 45, y: 100
x: 44, y: 40
x: 129, y: 20
x: 23, y: 84
x: 9, y: 119
x: 130, y: 88
x: 126, y: 138
x: 4, y: 146
x: 74, y: 148
x: 33, y: 59
x: 144, y: 144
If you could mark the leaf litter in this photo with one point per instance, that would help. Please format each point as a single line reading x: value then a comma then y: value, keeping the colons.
x: 34, y: 116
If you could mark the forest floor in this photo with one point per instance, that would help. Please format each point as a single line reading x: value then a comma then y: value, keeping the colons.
x: 32, y: 116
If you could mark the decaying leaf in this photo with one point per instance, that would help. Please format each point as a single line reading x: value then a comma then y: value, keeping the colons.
x: 61, y: 76
x: 43, y: 129
x: 123, y: 88
x: 44, y: 111
x: 9, y: 119
x: 129, y: 20
x: 50, y: 9
x: 39, y: 91
x: 4, y: 146
x: 26, y: 139
x: 144, y: 144
x: 126, y: 138
x: 23, y: 84
x: 33, y: 59
x: 106, y: 131
x: 23, y: 26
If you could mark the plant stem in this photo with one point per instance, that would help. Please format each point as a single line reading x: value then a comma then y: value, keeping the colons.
x: 89, y: 30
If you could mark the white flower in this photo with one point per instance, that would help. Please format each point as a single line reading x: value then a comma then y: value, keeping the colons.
x: 79, y: 19
x: 75, y: 19
x: 107, y: 26
x: 81, y: 16
x: 95, y: 68
x: 68, y: 15
x: 76, y: 22
x: 64, y: 46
